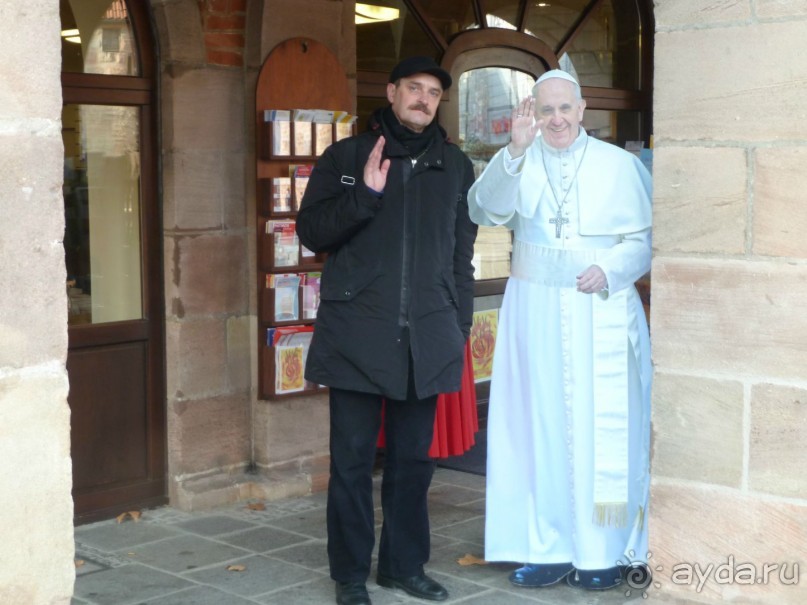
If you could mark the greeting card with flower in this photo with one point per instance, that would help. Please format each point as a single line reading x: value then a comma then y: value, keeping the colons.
x: 289, y: 368
x: 483, y: 342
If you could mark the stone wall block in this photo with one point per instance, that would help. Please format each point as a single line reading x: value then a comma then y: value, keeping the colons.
x: 233, y: 192
x: 239, y: 352
x: 691, y: 415
x: 209, y: 434
x: 33, y: 314
x: 740, y: 71
x: 729, y: 317
x: 205, y: 109
x: 36, y: 479
x: 195, y: 182
x: 778, y: 457
x: 689, y: 13
x: 780, y: 223
x: 319, y: 468
x: 173, y: 304
x: 287, y: 429
x: 730, y: 536
x: 213, y: 279
x: 199, y: 346
x: 182, y: 21
x: 696, y: 207
x: 778, y: 9
x: 169, y: 197
x: 23, y: 92
x: 173, y: 359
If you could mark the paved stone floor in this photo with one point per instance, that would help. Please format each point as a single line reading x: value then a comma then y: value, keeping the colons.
x: 170, y: 557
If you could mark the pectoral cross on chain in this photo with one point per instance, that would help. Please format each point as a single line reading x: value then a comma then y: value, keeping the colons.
x: 559, y: 221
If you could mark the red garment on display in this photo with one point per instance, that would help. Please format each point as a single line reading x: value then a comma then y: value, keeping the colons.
x: 456, y: 420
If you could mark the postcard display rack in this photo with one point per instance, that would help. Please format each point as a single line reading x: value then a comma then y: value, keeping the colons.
x: 302, y: 106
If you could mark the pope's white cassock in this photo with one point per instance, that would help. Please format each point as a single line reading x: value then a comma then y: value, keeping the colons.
x: 569, y: 416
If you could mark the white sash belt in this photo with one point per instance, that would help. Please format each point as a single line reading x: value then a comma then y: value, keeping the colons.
x: 556, y: 267
x: 550, y: 266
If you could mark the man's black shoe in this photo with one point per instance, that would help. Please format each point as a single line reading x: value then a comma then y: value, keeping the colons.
x: 352, y: 593
x: 421, y: 586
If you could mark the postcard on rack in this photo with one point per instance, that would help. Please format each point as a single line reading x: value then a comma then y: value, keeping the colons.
x: 276, y: 115
x: 303, y: 132
x: 281, y: 194
x: 303, y: 139
x: 289, y: 369
x: 323, y: 137
x: 310, y: 289
x: 296, y: 336
x: 304, y: 115
x: 344, y: 126
x: 286, y: 287
x: 323, y: 130
x: 285, y: 241
x: 280, y: 128
x: 299, y: 174
x: 292, y: 335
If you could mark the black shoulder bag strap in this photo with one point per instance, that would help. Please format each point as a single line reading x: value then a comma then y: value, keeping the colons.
x: 348, y: 177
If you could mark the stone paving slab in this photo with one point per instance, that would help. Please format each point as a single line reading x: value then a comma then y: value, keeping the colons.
x: 173, y: 557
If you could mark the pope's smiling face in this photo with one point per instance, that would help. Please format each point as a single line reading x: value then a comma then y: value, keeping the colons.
x: 557, y: 105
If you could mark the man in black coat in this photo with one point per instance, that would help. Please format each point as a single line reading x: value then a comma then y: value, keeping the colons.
x: 389, y: 206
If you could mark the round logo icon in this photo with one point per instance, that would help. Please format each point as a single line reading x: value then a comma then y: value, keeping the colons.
x: 638, y: 575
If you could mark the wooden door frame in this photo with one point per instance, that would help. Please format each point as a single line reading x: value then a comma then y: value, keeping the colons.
x: 135, y: 91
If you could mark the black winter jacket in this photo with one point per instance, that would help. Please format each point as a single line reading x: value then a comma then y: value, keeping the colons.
x: 398, y: 274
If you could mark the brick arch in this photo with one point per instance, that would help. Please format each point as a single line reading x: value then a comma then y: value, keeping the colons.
x: 223, y: 26
x: 202, y: 32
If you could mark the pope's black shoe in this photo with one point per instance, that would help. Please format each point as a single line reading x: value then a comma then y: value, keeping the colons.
x: 421, y: 586
x: 596, y: 579
x: 536, y: 575
x: 352, y: 593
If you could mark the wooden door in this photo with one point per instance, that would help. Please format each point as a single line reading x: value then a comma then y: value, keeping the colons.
x: 113, y: 251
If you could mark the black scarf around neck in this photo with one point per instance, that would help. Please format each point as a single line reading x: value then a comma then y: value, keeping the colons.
x: 414, y: 142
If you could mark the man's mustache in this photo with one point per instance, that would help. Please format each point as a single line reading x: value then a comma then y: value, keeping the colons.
x: 421, y: 107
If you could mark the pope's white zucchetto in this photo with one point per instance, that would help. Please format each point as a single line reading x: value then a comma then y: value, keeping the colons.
x: 556, y: 73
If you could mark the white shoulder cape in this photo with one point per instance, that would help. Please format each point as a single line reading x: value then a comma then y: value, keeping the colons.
x: 614, y: 190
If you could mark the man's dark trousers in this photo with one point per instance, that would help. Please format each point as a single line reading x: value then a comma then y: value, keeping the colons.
x: 408, y: 470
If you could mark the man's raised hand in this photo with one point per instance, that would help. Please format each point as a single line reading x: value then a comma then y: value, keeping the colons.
x: 376, y: 169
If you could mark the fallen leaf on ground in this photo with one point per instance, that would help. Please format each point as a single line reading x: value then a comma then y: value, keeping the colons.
x: 256, y: 506
x: 133, y: 514
x: 79, y: 562
x: 471, y: 560
x: 236, y: 567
